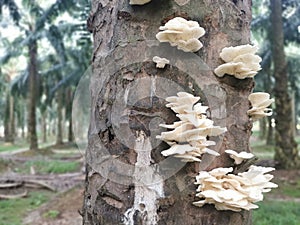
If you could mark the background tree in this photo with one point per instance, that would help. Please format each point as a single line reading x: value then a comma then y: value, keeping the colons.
x: 121, y: 33
x: 59, y: 64
x: 263, y: 29
x: 286, y: 147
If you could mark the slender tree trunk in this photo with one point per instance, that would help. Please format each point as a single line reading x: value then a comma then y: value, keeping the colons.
x: 268, y: 85
x: 69, y: 114
x: 59, y: 132
x: 128, y: 181
x: 70, y: 131
x: 44, y: 126
x: 286, y: 153
x: 9, y: 120
x: 22, y: 117
x: 262, y: 129
x: 32, y: 94
x: 270, y: 134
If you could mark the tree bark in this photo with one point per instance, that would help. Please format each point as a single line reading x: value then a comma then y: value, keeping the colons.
x: 59, y: 132
x: 69, y: 102
x: 44, y: 125
x: 128, y: 181
x: 286, y: 153
x: 32, y: 94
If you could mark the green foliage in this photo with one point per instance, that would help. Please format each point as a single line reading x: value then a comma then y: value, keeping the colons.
x: 54, y: 166
x: 12, y: 211
x: 13, y: 9
x: 277, y: 212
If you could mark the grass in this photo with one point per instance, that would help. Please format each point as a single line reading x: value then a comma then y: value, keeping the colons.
x: 261, y: 150
x: 277, y: 212
x: 12, y: 211
x: 3, y: 164
x: 291, y: 190
x: 11, y: 147
x: 52, y: 214
x: 53, y: 166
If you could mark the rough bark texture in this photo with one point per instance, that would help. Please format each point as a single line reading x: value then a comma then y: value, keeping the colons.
x: 32, y: 95
x: 123, y: 155
x: 286, y: 147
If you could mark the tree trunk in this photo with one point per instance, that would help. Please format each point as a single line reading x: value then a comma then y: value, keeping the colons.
x: 269, y: 89
x: 9, y: 120
x: 69, y: 99
x: 262, y: 129
x: 286, y: 153
x: 128, y: 181
x: 32, y: 93
x: 59, y: 132
x: 44, y: 125
x: 270, y: 135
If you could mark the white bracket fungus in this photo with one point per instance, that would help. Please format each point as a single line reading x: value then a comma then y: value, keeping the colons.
x: 138, y: 2
x: 228, y: 191
x: 182, y: 33
x: 160, y: 62
x: 239, y: 157
x: 188, y: 137
x: 260, y: 101
x: 240, y: 61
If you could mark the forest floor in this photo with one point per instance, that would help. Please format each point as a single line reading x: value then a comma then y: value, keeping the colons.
x: 56, y: 196
x: 50, y: 180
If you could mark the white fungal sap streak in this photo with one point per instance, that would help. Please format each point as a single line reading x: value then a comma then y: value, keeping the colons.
x: 240, y: 61
x: 148, y: 185
x: 188, y: 139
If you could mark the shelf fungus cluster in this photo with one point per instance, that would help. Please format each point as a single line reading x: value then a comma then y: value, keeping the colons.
x: 228, y: 191
x: 239, y: 157
x: 260, y: 101
x: 182, y: 33
x: 188, y: 137
x: 160, y: 62
x: 240, y: 61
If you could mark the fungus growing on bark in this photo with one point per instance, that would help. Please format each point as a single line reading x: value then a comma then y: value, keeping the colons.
x: 240, y: 61
x: 239, y: 157
x: 182, y: 33
x: 228, y: 191
x: 138, y: 2
x: 160, y: 62
x: 259, y: 101
x: 188, y: 137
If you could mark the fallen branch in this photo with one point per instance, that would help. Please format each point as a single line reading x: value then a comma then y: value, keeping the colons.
x: 53, y: 182
x: 10, y: 185
x: 22, y: 195
x: 41, y: 183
